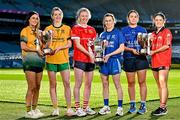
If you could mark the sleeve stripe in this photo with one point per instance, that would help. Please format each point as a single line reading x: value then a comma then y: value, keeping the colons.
x: 23, y: 39
x: 75, y: 37
x: 69, y: 38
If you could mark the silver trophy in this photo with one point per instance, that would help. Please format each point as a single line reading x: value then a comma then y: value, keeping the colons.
x: 37, y: 43
x: 144, y: 42
x: 89, y: 44
x: 47, y: 39
x: 99, y: 50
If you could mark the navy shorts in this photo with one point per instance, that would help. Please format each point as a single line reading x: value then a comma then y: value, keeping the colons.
x: 87, y: 67
x: 160, y: 68
x: 136, y: 63
x: 112, y: 67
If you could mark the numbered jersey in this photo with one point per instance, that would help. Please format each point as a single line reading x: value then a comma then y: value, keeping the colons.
x: 163, y: 37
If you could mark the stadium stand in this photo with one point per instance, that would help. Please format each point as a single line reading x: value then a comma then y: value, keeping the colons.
x: 13, y: 13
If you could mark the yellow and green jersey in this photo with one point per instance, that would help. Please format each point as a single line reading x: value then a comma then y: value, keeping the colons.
x: 31, y: 59
x: 61, y: 35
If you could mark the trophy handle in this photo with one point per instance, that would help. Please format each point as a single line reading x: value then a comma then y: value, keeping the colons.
x: 148, y: 43
x: 51, y: 35
x: 89, y: 44
x: 37, y: 43
x: 103, y: 47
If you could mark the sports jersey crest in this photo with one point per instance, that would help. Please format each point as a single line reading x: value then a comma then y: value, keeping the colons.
x: 62, y: 31
x: 159, y: 38
x: 90, y: 31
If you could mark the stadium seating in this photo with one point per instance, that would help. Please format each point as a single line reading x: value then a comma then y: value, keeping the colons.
x: 13, y: 14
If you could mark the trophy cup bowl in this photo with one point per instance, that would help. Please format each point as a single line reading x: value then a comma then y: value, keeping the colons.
x: 47, y: 38
x: 98, y: 51
x: 139, y: 36
x: 142, y: 40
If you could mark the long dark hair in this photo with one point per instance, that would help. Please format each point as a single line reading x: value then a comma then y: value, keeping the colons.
x: 27, y: 21
x: 160, y: 14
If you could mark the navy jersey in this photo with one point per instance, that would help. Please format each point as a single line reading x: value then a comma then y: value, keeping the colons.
x: 131, y: 41
x: 114, y: 38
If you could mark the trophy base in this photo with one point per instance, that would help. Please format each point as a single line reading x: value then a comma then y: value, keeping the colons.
x: 143, y: 52
x: 47, y: 51
x: 99, y: 61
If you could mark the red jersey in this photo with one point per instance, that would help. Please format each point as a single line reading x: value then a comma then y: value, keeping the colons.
x: 85, y: 34
x: 163, y: 37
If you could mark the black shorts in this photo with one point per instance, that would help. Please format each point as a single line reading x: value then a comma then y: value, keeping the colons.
x: 160, y: 68
x: 136, y: 63
x: 87, y: 67
x: 33, y: 69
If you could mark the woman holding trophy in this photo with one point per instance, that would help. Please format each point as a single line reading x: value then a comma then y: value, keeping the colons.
x: 135, y: 61
x: 161, y: 53
x: 33, y: 63
x: 113, y: 42
x: 83, y: 37
x: 57, y: 59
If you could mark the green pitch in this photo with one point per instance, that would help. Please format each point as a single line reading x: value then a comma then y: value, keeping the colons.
x: 13, y: 89
x: 15, y: 111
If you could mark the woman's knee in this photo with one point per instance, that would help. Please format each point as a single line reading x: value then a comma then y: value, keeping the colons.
x: 131, y: 83
x: 105, y: 84
x: 88, y: 85
x: 142, y: 83
x: 53, y: 85
x: 38, y: 87
x: 78, y: 85
x: 66, y: 83
x: 163, y: 85
x: 32, y: 88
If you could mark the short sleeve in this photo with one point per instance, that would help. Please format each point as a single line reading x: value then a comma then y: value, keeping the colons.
x: 167, y: 37
x: 94, y: 33
x: 121, y: 38
x: 102, y: 36
x: 123, y: 33
x: 23, y: 36
x: 75, y: 33
x: 69, y: 33
x: 144, y: 30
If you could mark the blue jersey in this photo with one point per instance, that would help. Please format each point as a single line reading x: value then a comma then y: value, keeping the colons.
x: 114, y: 38
x: 131, y: 41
